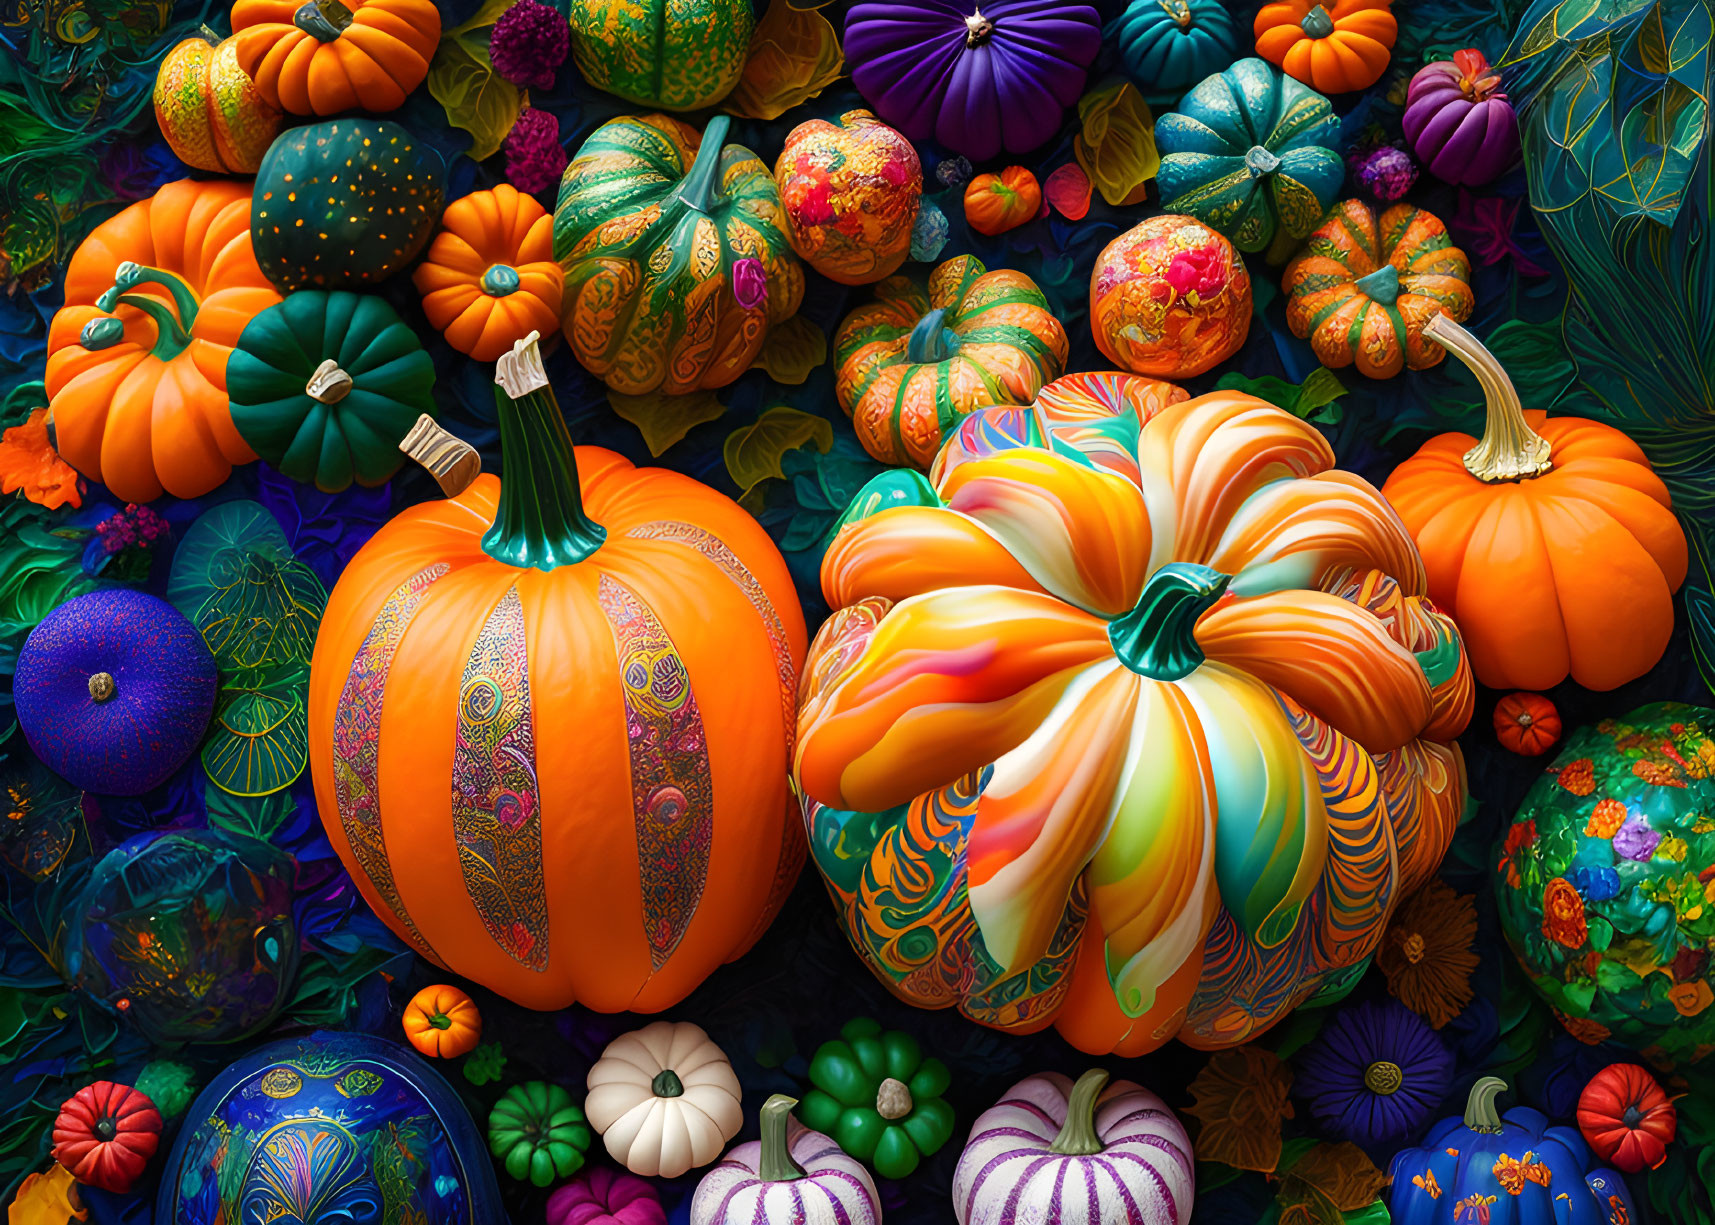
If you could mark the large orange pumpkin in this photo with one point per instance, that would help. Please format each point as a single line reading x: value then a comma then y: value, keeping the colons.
x: 156, y: 298
x: 490, y: 278
x: 551, y: 717
x: 1551, y: 542
x: 325, y: 57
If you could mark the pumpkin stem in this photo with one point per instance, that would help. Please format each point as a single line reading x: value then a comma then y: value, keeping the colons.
x: 1480, y: 1112
x: 1077, y: 1136
x: 930, y: 341
x: 541, y: 522
x: 1157, y: 638
x: 452, y: 461
x: 667, y: 1084
x: 1380, y: 286
x: 1317, y: 23
x: 978, y: 29
x: 893, y: 1099
x: 324, y: 20
x: 1260, y: 161
x: 207, y: 34
x: 441, y: 1020
x: 776, y: 1164
x: 500, y: 280
x: 101, y: 687
x: 172, y: 335
x: 1510, y: 450
x: 702, y: 189
x: 1179, y: 10
x: 329, y: 384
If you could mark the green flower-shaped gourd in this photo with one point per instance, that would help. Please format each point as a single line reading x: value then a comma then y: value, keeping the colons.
x: 325, y: 385
x: 1250, y: 152
x: 537, y: 1132
x: 878, y: 1097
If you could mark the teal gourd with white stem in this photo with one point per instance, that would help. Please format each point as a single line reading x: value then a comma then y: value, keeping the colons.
x: 791, y: 1176
x: 1167, y: 46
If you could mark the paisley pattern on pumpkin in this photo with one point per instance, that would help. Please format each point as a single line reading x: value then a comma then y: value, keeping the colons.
x: 1151, y: 679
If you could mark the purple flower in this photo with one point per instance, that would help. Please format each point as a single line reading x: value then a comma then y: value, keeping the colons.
x: 529, y: 41
x: 1386, y: 173
x: 1636, y: 840
x: 749, y: 283
x: 954, y: 171
x: 1375, y: 1074
x: 534, y: 155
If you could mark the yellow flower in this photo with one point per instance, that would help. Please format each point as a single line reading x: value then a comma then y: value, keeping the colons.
x: 1117, y: 145
x: 47, y: 1199
x: 1672, y: 848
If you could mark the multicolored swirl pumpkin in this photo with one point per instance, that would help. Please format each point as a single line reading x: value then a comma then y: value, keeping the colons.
x: 909, y: 365
x: 1132, y: 719
x: 676, y: 256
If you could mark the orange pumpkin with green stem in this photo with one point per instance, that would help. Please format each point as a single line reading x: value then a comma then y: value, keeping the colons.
x: 156, y: 298
x: 562, y: 703
x: 1335, y: 48
x: 490, y: 278
x: 1550, y: 541
x: 324, y: 57
x: 996, y: 203
x: 442, y: 1022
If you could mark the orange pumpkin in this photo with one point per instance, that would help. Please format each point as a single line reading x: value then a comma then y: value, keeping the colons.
x: 490, y: 278
x: 325, y: 57
x: 442, y: 1022
x: 156, y: 298
x: 1551, y: 542
x: 1526, y: 724
x: 996, y: 203
x: 210, y: 111
x: 1333, y: 48
x: 551, y: 720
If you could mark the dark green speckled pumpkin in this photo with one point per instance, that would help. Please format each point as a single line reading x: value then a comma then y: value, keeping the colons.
x: 343, y: 203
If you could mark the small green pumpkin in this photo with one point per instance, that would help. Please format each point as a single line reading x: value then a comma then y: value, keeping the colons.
x: 325, y: 385
x: 343, y: 203
x: 1250, y: 153
x: 538, y: 1133
x: 680, y: 55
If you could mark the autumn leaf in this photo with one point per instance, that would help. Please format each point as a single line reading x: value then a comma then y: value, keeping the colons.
x: 792, y: 350
x: 1340, y: 1175
x: 1116, y: 142
x: 794, y: 55
x: 1240, y: 1098
x: 753, y: 453
x: 663, y: 419
x: 1068, y: 190
x: 475, y: 97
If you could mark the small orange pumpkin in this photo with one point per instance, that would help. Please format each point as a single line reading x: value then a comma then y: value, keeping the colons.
x: 324, y: 57
x: 210, y: 111
x: 1526, y: 724
x: 442, y: 1022
x: 996, y: 203
x: 490, y: 278
x: 1336, y: 48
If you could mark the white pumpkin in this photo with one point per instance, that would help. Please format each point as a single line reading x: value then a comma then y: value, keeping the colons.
x: 664, y: 1099
x: 792, y: 1176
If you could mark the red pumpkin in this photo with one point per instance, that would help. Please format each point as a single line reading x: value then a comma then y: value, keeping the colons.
x: 105, y: 1135
x: 1627, y: 1117
x: 1526, y: 724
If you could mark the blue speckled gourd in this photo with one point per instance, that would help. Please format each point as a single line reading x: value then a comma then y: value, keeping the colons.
x: 343, y: 203
x: 1250, y: 152
x: 1167, y: 46
x: 329, y: 1127
x: 114, y: 691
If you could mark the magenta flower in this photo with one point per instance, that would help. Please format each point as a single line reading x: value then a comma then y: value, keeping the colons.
x: 529, y: 41
x: 534, y: 155
x: 749, y: 283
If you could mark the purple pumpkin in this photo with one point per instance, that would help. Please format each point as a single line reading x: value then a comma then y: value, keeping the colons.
x: 114, y: 691
x: 1458, y: 121
x: 974, y: 80
x: 606, y: 1197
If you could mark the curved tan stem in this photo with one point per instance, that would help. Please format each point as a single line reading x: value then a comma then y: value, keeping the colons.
x: 1509, y: 449
x: 452, y: 461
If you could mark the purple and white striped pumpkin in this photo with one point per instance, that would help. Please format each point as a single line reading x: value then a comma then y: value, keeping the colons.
x: 1064, y: 1154
x: 792, y: 1176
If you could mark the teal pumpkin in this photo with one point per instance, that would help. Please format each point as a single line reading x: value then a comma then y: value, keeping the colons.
x: 325, y: 385
x: 1601, y: 882
x: 1167, y: 46
x: 342, y: 203
x: 1251, y: 153
x: 1505, y: 1169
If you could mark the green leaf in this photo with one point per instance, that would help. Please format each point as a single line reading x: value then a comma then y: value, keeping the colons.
x: 490, y: 12
x: 261, y: 737
x: 476, y: 98
x: 792, y: 350
x: 254, y: 816
x: 663, y: 419
x: 753, y: 454
x: 1312, y: 399
x: 1374, y: 1213
x: 1212, y: 1174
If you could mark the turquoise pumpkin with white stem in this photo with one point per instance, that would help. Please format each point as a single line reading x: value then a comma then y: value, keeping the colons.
x: 1167, y: 46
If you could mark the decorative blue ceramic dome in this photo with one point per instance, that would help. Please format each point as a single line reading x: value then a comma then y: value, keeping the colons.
x: 114, y: 691
x: 329, y: 1127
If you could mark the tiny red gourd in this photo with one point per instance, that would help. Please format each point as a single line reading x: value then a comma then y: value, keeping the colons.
x: 1526, y: 724
x: 1627, y: 1117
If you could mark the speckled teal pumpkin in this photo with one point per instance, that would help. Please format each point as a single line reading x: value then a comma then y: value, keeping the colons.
x: 342, y: 203
x: 1603, y: 882
x: 1250, y: 152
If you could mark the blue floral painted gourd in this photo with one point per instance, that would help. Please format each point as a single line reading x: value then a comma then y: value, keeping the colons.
x: 331, y: 1127
x: 1513, y: 1169
x: 1167, y: 46
x: 1250, y: 152
x: 114, y: 691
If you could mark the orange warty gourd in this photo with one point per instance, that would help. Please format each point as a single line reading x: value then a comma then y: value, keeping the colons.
x: 1526, y: 724
x: 1333, y: 48
x: 996, y: 203
x: 209, y: 110
x: 324, y: 57
x: 490, y: 277
x: 551, y: 720
x: 442, y: 1022
x: 1551, y: 541
x: 156, y: 298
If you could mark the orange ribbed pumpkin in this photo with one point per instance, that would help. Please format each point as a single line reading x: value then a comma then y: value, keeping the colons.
x: 551, y: 745
x: 1336, y: 47
x: 327, y: 57
x: 490, y: 278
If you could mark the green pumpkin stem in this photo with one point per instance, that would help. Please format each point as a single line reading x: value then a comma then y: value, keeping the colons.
x: 441, y: 1021
x: 499, y: 280
x: 776, y: 1164
x: 1480, y: 1112
x: 1077, y: 1136
x: 1317, y: 23
x: 930, y: 341
x: 324, y: 20
x: 1157, y: 638
x: 1380, y: 286
x: 667, y: 1084
x: 172, y: 335
x: 1509, y: 449
x: 702, y: 186
x: 541, y: 522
